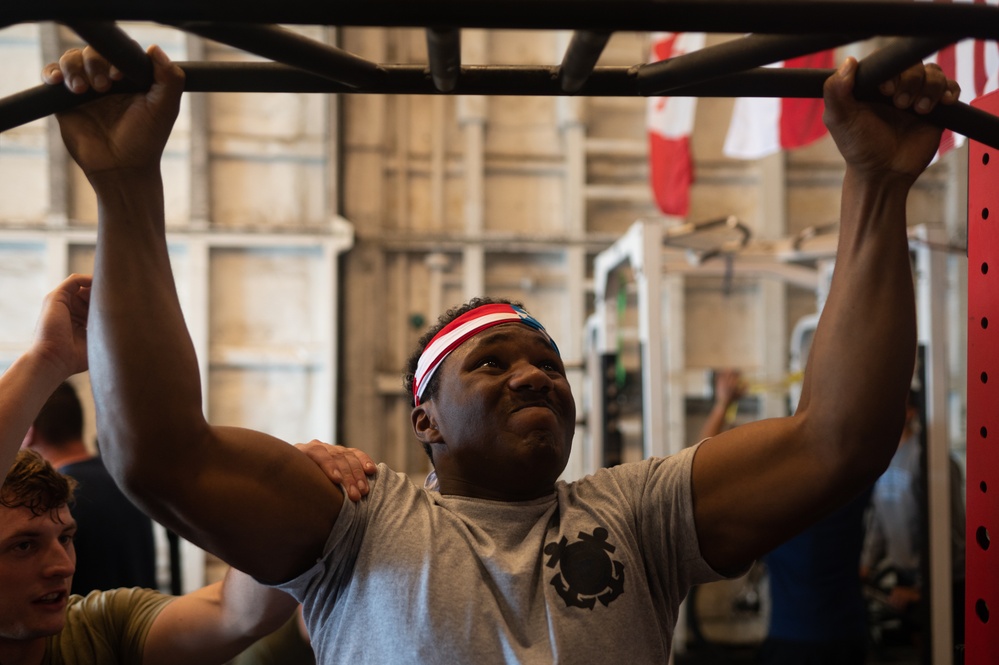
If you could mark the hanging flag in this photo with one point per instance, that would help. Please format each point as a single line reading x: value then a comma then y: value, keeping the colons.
x: 975, y: 66
x: 762, y: 126
x: 669, y: 122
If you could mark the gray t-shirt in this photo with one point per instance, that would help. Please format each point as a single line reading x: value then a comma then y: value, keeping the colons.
x: 595, y: 572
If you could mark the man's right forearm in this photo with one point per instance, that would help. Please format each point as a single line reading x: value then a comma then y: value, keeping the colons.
x: 145, y: 373
x: 863, y: 354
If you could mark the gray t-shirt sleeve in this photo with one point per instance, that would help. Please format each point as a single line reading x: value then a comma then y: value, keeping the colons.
x: 345, y: 538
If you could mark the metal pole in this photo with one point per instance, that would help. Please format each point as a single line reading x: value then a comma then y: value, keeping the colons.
x: 886, y: 17
x: 659, y: 78
x: 982, y: 571
x: 40, y: 101
x: 290, y: 48
x: 123, y: 52
x: 580, y: 58
x: 895, y: 58
x: 444, y: 55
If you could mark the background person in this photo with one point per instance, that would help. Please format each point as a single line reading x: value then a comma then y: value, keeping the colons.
x: 40, y: 620
x: 895, y: 537
x: 114, y: 541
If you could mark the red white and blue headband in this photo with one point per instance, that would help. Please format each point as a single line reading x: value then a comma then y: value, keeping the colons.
x: 464, y: 327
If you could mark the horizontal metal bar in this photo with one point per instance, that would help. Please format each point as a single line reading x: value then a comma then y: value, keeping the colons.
x: 283, y: 45
x: 497, y: 80
x: 658, y: 78
x: 43, y: 100
x: 481, y: 80
x: 885, y: 17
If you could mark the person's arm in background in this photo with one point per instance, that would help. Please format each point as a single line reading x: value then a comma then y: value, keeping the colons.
x: 729, y: 387
x: 757, y: 485
x: 249, y: 498
x: 58, y: 351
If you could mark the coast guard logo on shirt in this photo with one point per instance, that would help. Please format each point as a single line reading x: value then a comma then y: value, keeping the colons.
x: 587, y: 572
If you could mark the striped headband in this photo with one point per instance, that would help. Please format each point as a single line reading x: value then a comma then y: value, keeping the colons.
x: 461, y: 329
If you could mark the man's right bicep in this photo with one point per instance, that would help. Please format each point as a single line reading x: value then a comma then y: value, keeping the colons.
x: 257, y: 503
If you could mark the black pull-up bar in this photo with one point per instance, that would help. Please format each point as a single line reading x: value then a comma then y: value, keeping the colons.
x: 896, y: 57
x: 43, y: 100
x: 661, y: 78
x: 111, y: 42
x: 291, y: 48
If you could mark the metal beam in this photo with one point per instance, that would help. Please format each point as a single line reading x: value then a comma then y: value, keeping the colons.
x: 666, y: 76
x: 42, y: 100
x: 123, y: 52
x: 290, y: 48
x: 580, y: 59
x: 444, y: 55
x: 885, y: 17
x: 658, y: 78
x: 321, y: 68
x: 896, y: 57
x: 982, y: 574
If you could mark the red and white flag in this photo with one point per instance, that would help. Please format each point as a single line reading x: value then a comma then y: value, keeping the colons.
x: 762, y: 126
x: 669, y: 122
x: 975, y: 66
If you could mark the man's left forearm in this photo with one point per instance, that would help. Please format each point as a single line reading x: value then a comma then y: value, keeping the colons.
x: 24, y: 389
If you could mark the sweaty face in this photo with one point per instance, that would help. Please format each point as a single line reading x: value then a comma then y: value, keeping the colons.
x: 504, y: 414
x: 37, y: 561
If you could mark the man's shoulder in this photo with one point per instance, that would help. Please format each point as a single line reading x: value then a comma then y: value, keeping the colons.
x: 388, y: 489
x: 387, y: 477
